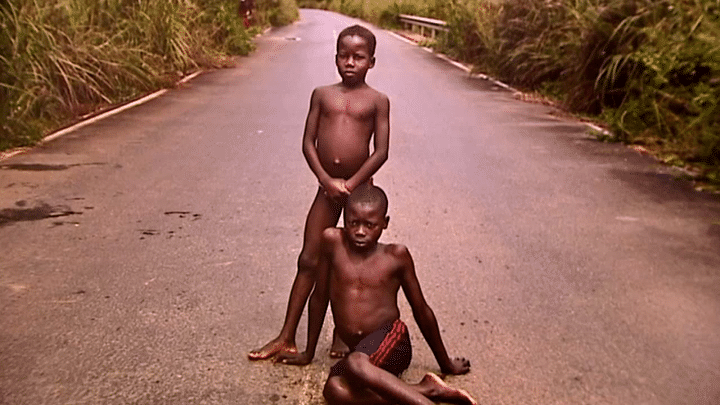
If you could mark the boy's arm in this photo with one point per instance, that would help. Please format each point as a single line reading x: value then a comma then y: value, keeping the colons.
x: 316, y: 308
x: 381, y: 145
x: 334, y: 187
x: 425, y: 317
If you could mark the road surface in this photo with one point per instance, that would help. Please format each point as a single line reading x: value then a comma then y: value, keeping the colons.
x: 144, y: 255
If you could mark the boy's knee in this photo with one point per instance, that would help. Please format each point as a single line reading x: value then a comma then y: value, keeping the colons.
x: 334, y: 391
x: 308, y: 260
x: 358, y: 364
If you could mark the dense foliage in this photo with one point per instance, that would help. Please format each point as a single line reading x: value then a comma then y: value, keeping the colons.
x: 60, y: 59
x: 650, y: 69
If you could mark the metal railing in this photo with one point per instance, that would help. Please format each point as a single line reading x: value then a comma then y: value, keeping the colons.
x: 423, y: 23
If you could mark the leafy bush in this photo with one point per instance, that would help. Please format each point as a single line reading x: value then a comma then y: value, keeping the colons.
x: 470, y: 35
x: 279, y: 12
x: 650, y: 68
x: 668, y: 79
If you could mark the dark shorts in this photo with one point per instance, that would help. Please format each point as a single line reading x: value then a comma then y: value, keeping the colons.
x: 388, y: 347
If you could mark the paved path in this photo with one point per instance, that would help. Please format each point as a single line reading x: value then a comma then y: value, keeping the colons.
x: 144, y: 255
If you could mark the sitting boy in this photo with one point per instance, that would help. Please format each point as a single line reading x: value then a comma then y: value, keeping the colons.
x: 361, y: 279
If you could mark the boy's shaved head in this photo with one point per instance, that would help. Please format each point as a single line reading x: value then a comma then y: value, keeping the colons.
x: 369, y: 194
x: 362, y: 32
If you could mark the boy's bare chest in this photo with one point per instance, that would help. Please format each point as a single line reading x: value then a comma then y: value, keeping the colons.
x: 357, y: 107
x: 364, y: 274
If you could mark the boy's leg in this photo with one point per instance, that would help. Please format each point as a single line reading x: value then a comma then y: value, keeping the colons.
x: 339, y: 349
x: 379, y: 387
x: 436, y: 389
x: 365, y: 383
x: 324, y: 213
x: 339, y: 391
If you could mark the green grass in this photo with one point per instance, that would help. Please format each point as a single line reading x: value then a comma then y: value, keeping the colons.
x: 61, y: 59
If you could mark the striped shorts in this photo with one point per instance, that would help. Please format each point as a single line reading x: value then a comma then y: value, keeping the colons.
x: 388, y: 347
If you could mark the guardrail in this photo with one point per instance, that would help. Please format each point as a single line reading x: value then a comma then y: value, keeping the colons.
x: 423, y: 23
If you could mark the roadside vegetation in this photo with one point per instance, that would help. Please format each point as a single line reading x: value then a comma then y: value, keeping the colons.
x: 648, y: 69
x: 63, y: 59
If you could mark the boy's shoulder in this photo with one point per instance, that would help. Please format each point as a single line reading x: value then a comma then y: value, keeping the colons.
x: 325, y: 88
x: 396, y: 250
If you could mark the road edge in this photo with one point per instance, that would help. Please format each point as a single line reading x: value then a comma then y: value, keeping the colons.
x: 467, y: 69
x: 595, y: 131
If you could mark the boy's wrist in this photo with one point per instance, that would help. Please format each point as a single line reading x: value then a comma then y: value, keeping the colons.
x: 324, y: 181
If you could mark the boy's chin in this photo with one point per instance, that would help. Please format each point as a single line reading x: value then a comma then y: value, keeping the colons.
x: 362, y: 246
x: 351, y: 80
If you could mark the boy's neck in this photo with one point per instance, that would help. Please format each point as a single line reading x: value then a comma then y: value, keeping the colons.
x: 351, y: 85
x: 364, y: 253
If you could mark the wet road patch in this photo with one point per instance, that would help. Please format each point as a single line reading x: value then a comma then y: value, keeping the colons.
x: 187, y: 215
x: 40, y: 167
x: 40, y: 211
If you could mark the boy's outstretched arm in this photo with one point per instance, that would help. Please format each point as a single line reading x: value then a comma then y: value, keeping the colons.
x: 381, y: 146
x: 425, y: 318
x: 335, y: 188
x: 317, y: 308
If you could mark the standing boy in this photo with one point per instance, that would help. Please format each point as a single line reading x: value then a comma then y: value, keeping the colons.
x: 361, y: 279
x: 342, y: 120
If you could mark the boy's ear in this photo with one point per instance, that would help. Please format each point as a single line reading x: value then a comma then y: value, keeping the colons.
x: 372, y: 64
x: 387, y: 221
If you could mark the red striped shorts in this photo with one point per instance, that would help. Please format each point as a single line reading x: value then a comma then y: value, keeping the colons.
x: 388, y: 347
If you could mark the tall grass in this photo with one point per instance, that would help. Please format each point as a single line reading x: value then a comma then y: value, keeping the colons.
x: 60, y: 59
x: 650, y: 69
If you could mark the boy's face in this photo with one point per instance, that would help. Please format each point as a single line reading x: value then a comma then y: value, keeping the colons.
x: 364, y: 223
x: 353, y: 59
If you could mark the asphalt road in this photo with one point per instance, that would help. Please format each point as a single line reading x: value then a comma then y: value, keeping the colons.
x: 141, y: 257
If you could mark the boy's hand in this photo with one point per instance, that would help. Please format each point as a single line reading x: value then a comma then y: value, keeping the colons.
x: 458, y: 365
x: 336, y: 189
x: 295, y: 359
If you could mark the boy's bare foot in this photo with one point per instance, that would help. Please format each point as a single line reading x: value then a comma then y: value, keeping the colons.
x: 339, y: 349
x: 272, y: 348
x: 440, y: 391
